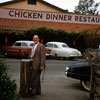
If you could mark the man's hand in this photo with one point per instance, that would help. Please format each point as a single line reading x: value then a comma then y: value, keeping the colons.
x: 41, y: 67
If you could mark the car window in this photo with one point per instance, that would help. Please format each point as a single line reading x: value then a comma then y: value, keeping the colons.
x: 64, y: 45
x: 17, y: 44
x: 55, y: 46
x: 24, y: 45
x: 32, y: 44
x: 49, y: 45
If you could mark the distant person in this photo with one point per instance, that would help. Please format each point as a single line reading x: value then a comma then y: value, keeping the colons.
x: 37, y: 54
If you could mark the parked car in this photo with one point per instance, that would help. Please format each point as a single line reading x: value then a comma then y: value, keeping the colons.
x: 80, y: 70
x: 20, y: 49
x: 60, y: 49
x: 87, y: 51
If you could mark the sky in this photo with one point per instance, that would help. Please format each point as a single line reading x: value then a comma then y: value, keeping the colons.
x: 64, y: 4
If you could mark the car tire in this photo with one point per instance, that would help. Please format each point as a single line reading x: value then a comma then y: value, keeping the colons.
x: 3, y: 53
x: 85, y: 85
x: 56, y: 55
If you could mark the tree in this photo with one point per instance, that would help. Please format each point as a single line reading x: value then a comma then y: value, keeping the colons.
x: 87, y: 7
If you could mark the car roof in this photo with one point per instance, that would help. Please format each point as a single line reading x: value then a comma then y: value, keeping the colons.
x: 56, y: 42
x: 25, y: 41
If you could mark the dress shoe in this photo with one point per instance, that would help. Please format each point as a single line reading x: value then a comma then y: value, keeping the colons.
x: 33, y: 93
x: 38, y: 93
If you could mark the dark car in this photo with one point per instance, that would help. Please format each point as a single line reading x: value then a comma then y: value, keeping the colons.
x: 80, y: 70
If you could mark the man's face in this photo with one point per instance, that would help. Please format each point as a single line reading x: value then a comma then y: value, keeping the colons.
x: 36, y: 39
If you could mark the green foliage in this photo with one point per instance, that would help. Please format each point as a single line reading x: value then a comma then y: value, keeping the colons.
x: 90, y: 38
x: 10, y: 32
x: 87, y: 7
x: 7, y: 86
x: 47, y: 34
x: 80, y: 40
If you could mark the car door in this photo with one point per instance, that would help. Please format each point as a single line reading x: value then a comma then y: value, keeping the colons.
x: 55, y: 50
x: 50, y: 46
x: 15, y: 50
x: 25, y: 49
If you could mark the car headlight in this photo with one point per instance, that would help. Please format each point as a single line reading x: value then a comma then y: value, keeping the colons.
x: 66, y: 70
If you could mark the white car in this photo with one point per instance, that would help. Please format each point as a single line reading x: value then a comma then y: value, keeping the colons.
x: 60, y: 49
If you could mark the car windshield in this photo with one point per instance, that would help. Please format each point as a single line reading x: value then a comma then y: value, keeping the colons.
x: 32, y: 44
x: 49, y: 45
x: 65, y: 46
x: 24, y: 45
x: 17, y: 44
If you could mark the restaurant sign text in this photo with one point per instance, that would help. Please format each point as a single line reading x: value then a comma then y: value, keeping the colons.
x: 48, y: 16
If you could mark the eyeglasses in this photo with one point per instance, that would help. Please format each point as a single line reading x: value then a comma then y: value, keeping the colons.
x: 35, y: 38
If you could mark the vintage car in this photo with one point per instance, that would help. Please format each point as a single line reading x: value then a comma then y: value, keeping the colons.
x: 20, y: 49
x: 60, y: 49
x: 80, y: 70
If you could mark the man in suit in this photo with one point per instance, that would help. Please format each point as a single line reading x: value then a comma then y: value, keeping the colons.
x: 37, y: 54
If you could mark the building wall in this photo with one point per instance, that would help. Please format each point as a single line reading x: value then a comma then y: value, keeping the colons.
x: 38, y: 7
x: 21, y: 24
x: 15, y: 24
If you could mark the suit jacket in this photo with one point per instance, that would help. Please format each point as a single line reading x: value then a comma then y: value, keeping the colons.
x: 39, y: 57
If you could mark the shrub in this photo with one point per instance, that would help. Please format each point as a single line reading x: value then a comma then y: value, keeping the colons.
x: 7, y: 86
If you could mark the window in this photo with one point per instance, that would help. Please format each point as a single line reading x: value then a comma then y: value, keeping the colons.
x: 17, y: 44
x: 55, y: 46
x: 32, y: 2
x: 64, y: 45
x: 24, y: 45
x: 32, y: 44
x: 49, y: 45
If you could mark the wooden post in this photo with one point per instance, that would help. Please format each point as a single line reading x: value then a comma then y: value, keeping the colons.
x: 25, y: 77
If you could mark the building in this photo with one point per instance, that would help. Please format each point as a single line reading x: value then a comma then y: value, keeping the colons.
x: 19, y: 15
